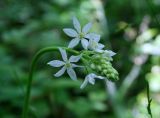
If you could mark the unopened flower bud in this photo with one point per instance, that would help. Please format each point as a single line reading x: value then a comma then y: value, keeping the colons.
x: 103, y: 61
x: 102, y: 66
x: 93, y: 66
x: 99, y: 68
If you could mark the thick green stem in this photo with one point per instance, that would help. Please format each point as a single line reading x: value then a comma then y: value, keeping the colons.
x: 30, y: 78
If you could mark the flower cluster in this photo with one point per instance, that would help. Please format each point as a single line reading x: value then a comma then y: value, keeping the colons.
x: 94, y: 58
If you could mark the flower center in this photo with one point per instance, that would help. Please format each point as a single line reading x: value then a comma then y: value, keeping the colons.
x: 68, y: 64
x: 81, y: 35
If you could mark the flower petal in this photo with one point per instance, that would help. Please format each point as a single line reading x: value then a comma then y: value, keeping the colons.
x: 92, y: 75
x: 92, y: 44
x: 91, y: 78
x: 110, y: 52
x: 70, y: 32
x: 91, y: 81
x: 71, y: 73
x: 99, y: 50
x: 74, y: 66
x: 84, y: 84
x: 56, y: 63
x: 73, y: 42
x: 76, y: 24
x: 84, y: 43
x: 75, y: 58
x: 63, y: 53
x: 100, y: 46
x: 93, y: 36
x: 60, y: 72
x: 86, y: 28
x: 99, y: 77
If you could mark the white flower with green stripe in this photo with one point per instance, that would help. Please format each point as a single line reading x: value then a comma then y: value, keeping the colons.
x: 80, y: 34
x: 67, y: 64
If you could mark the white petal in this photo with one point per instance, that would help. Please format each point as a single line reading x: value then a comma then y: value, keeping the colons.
x: 56, y: 63
x: 91, y: 75
x: 110, y: 53
x: 76, y: 24
x: 84, y: 84
x: 93, y: 36
x: 100, y: 46
x: 100, y: 51
x: 70, y: 32
x: 92, y: 44
x: 75, y: 58
x: 99, y: 77
x: 74, y: 65
x: 73, y: 42
x: 84, y: 43
x: 90, y: 78
x: 71, y: 73
x: 86, y: 28
x: 60, y: 72
x: 91, y: 81
x: 63, y: 53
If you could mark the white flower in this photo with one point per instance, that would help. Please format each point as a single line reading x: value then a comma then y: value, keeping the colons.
x: 67, y: 64
x: 90, y: 78
x: 94, y: 45
x: 79, y: 34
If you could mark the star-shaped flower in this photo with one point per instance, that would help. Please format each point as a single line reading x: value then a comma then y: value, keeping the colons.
x: 79, y: 34
x: 68, y: 65
x: 90, y: 78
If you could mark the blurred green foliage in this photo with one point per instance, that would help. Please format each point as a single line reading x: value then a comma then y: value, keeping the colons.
x: 130, y: 28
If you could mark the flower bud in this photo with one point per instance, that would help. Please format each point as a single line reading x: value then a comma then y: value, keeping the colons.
x: 99, y: 68
x: 102, y: 66
x: 92, y: 65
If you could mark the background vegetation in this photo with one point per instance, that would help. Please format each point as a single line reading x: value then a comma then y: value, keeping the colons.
x: 130, y: 28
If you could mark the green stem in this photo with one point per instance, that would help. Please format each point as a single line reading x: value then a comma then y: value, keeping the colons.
x: 149, y: 101
x: 30, y: 78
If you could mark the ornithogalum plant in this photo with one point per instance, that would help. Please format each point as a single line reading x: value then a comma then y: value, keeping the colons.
x: 93, y: 57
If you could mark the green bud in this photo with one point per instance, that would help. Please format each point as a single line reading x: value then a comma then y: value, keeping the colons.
x: 93, y: 66
x: 108, y: 63
x: 104, y: 66
x: 103, y: 61
x: 115, y: 72
x: 97, y: 57
x: 99, y: 68
x: 108, y: 75
x: 112, y: 75
x: 108, y: 59
x: 104, y: 71
x: 110, y: 70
